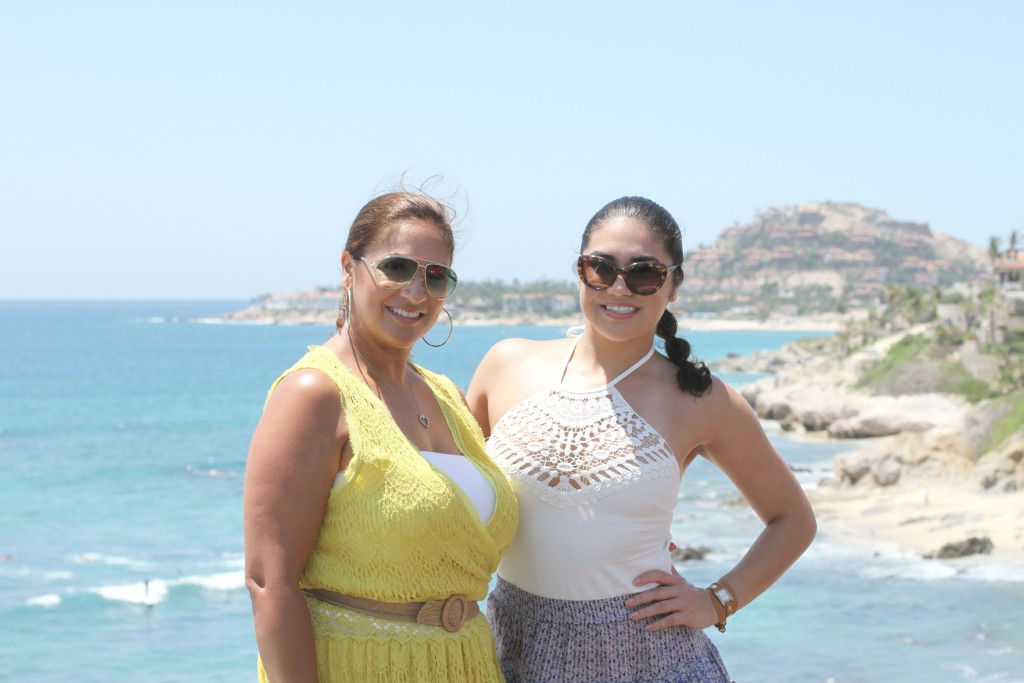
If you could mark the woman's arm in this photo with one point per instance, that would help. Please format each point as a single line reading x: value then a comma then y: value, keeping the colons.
x: 736, y: 443
x: 293, y: 459
x: 740, y: 448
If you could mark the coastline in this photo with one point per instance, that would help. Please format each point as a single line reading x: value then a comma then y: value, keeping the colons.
x: 917, y: 519
x: 918, y: 474
x: 701, y: 323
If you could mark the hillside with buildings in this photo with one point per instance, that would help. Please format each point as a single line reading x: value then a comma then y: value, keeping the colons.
x: 820, y: 257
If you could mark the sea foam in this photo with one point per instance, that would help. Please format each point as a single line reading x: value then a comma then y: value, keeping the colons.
x: 150, y: 592
x: 48, y: 600
x: 112, y: 560
x: 223, y: 581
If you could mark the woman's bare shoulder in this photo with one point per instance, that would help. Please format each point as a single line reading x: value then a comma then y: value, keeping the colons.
x: 517, y: 352
x: 721, y: 396
x: 306, y: 392
x: 512, y: 370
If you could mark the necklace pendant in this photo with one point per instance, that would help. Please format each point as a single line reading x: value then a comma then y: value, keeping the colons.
x: 424, y: 421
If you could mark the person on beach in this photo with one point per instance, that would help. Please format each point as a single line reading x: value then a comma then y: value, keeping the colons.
x: 595, y: 432
x: 373, y: 518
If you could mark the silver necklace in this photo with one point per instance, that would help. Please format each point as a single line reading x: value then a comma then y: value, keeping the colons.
x: 421, y: 417
x: 424, y: 420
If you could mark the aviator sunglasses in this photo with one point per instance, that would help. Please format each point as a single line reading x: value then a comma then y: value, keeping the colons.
x: 394, y: 272
x: 643, y: 277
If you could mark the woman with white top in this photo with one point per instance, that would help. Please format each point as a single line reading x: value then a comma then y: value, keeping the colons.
x: 595, y: 432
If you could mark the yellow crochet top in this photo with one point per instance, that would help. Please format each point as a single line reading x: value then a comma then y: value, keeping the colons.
x: 399, y: 530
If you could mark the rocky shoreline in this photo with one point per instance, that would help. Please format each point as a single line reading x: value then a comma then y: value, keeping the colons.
x: 917, y: 475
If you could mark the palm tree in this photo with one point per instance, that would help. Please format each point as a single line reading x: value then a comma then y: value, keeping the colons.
x: 993, y: 247
x: 1014, y: 236
x: 894, y: 298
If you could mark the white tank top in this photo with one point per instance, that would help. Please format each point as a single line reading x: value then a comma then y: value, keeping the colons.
x: 596, y: 487
x: 464, y: 473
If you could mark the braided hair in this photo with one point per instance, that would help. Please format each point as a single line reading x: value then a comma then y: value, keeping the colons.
x: 692, y: 377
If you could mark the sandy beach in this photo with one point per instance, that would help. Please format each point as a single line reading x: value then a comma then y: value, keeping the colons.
x: 918, y: 519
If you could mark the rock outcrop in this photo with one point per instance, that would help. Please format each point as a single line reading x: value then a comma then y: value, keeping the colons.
x: 689, y: 554
x: 971, y: 546
x: 813, y: 391
x: 906, y: 457
x: 911, y: 436
x: 1001, y: 471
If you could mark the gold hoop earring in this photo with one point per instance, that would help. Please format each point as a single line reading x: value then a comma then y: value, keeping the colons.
x: 451, y: 328
x: 344, y: 310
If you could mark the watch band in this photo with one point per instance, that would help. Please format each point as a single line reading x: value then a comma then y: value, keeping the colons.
x: 724, y: 600
x: 719, y: 610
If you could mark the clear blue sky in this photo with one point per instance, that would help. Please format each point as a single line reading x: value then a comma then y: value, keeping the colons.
x: 220, y: 149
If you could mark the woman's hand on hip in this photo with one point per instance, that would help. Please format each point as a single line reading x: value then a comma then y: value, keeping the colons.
x: 677, y: 601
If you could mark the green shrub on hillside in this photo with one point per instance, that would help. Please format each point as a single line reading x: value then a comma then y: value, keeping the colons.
x: 950, y: 335
x: 902, y: 352
x: 1009, y: 423
x: 957, y: 380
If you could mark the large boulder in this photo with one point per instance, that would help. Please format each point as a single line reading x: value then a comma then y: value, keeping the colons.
x: 907, y: 456
x: 824, y: 402
x: 971, y: 546
x: 888, y: 415
x: 813, y: 404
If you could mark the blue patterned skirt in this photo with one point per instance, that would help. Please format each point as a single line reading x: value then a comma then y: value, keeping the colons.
x: 544, y: 640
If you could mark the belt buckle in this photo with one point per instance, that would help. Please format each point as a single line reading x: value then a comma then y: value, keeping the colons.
x: 454, y: 612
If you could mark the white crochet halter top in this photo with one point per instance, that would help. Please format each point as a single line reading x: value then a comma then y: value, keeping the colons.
x: 596, y: 487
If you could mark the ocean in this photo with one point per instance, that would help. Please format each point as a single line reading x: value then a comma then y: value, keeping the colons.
x: 124, y: 428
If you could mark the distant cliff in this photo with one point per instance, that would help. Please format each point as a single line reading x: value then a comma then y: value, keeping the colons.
x: 822, y: 257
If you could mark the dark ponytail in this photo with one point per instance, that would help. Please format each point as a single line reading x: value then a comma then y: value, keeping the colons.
x: 692, y: 377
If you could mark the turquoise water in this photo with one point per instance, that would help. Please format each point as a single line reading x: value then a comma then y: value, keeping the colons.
x: 123, y: 435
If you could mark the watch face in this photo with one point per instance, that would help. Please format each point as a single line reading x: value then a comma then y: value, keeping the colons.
x: 724, y: 595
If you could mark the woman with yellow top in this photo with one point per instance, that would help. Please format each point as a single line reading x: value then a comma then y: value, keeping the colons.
x: 373, y: 517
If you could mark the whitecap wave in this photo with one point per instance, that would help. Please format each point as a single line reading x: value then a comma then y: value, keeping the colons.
x: 226, y: 321
x: 916, y: 568
x: 224, y: 581
x: 826, y: 549
x: 924, y: 570
x: 151, y: 592
x: 112, y: 560
x: 994, y: 573
x: 48, y: 600
x: 209, y: 472
x: 156, y: 591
